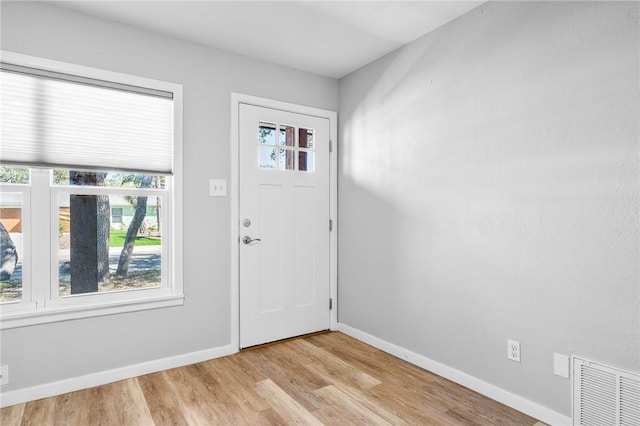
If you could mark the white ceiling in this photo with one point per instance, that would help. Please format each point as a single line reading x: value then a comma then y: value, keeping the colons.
x: 330, y: 38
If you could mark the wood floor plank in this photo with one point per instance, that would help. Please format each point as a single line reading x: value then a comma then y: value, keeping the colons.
x: 372, y: 361
x: 267, y: 417
x: 284, y: 405
x: 40, y: 412
x: 122, y: 403
x: 492, y: 414
x: 292, y: 377
x: 246, y: 372
x: 479, y: 408
x: 161, y: 400
x: 218, y: 394
x: 455, y: 417
x: 191, y: 394
x: 330, y: 367
x: 409, y: 406
x: 344, y: 410
x: 364, y: 398
x: 324, y: 379
x: 346, y: 375
x: 11, y: 416
x: 76, y: 407
x: 238, y: 386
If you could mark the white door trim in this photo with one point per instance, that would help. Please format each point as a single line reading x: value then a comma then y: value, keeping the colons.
x: 332, y: 116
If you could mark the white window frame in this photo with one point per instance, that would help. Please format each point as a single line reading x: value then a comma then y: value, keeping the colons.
x: 40, y: 302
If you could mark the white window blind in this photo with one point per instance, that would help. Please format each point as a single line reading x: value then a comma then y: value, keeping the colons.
x: 58, y: 120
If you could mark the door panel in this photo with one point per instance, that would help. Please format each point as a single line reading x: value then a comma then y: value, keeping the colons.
x: 270, y: 214
x: 303, y: 247
x: 284, y: 213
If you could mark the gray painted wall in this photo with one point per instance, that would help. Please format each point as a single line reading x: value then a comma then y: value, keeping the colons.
x: 488, y: 189
x: 48, y: 353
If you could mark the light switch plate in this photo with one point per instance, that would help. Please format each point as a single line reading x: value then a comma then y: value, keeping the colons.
x: 561, y: 365
x: 218, y: 187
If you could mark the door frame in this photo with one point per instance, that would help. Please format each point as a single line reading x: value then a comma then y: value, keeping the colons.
x: 332, y: 116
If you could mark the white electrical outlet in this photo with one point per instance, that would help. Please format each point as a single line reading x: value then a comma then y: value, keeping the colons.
x: 4, y: 375
x: 513, y: 350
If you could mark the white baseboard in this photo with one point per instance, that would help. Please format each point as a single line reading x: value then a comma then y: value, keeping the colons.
x: 46, y: 390
x: 507, y: 398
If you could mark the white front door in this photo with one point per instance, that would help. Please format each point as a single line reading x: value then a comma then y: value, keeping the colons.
x: 284, y: 212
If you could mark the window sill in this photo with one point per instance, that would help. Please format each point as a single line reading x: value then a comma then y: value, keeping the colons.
x: 52, y: 314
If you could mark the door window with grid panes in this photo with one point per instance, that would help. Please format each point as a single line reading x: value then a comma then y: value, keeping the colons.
x: 285, y: 147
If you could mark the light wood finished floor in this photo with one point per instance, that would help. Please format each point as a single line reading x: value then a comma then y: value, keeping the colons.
x: 328, y: 379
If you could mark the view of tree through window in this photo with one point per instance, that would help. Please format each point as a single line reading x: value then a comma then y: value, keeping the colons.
x: 106, y: 242
x: 19, y: 175
x: 97, y: 253
x: 90, y: 192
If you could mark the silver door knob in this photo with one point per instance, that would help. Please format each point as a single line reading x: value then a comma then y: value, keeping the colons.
x: 248, y: 240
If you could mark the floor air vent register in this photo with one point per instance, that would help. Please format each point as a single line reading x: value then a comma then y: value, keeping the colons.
x: 604, y: 395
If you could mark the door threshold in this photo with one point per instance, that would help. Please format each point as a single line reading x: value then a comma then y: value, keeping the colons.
x: 288, y: 339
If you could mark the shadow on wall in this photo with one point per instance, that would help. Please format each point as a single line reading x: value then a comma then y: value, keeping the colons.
x: 488, y: 189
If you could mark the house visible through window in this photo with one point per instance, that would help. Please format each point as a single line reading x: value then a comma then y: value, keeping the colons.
x: 92, y: 155
x: 116, y: 215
